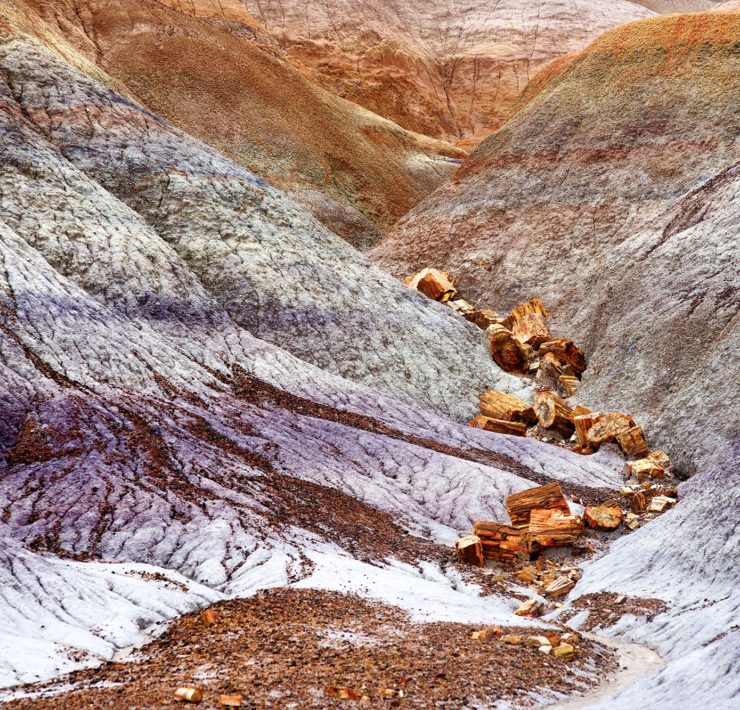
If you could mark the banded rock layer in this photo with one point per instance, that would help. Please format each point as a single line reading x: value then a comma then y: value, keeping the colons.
x: 612, y: 194
x: 451, y: 69
x: 212, y: 70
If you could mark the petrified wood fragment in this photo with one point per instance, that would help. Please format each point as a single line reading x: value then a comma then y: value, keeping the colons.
x: 547, y: 497
x: 632, y: 442
x: 554, y: 413
x: 499, y: 426
x: 508, y: 353
x: 434, y: 284
x: 499, y: 405
x: 603, y: 517
x: 565, y: 351
x: 527, y: 322
x: 469, y: 550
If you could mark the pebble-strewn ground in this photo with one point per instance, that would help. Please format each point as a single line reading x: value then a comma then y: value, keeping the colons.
x: 288, y: 648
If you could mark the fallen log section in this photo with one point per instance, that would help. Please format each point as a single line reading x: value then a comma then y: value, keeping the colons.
x: 554, y: 413
x: 499, y: 405
x: 519, y: 506
x: 508, y: 353
x: 500, y: 426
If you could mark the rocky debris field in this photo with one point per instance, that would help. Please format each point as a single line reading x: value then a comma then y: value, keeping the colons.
x: 301, y: 648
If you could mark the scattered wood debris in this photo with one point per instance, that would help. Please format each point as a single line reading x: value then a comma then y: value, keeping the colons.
x: 521, y: 343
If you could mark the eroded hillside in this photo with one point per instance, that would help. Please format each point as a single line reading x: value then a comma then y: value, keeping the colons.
x: 213, y: 71
x: 446, y: 68
x: 612, y: 194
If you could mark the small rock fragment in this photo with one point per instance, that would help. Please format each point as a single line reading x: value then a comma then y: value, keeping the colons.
x: 531, y: 608
x: 511, y: 639
x: 342, y: 693
x: 189, y: 694
x: 564, y: 651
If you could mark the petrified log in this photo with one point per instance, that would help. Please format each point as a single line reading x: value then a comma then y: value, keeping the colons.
x: 608, y: 427
x: 583, y: 424
x: 508, y: 353
x: 499, y: 405
x: 527, y: 322
x: 553, y: 413
x: 632, y: 442
x: 434, y: 284
x: 553, y: 528
x: 500, y: 426
x: 569, y: 383
x: 483, y: 317
x: 643, y: 469
x: 502, y: 543
x: 547, y: 497
x: 566, y: 352
x: 579, y: 410
x: 603, y: 517
x: 469, y: 550
x: 232, y: 700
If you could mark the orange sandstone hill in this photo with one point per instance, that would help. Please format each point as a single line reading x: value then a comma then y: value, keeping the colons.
x: 613, y: 195
x: 211, y: 69
x: 446, y: 68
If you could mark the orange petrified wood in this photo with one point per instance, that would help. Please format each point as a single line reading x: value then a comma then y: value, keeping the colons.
x: 547, y: 497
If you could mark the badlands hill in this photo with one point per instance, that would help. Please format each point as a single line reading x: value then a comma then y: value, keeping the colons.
x: 446, y: 68
x: 612, y: 194
x: 213, y: 71
x: 159, y: 448
x: 205, y: 393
